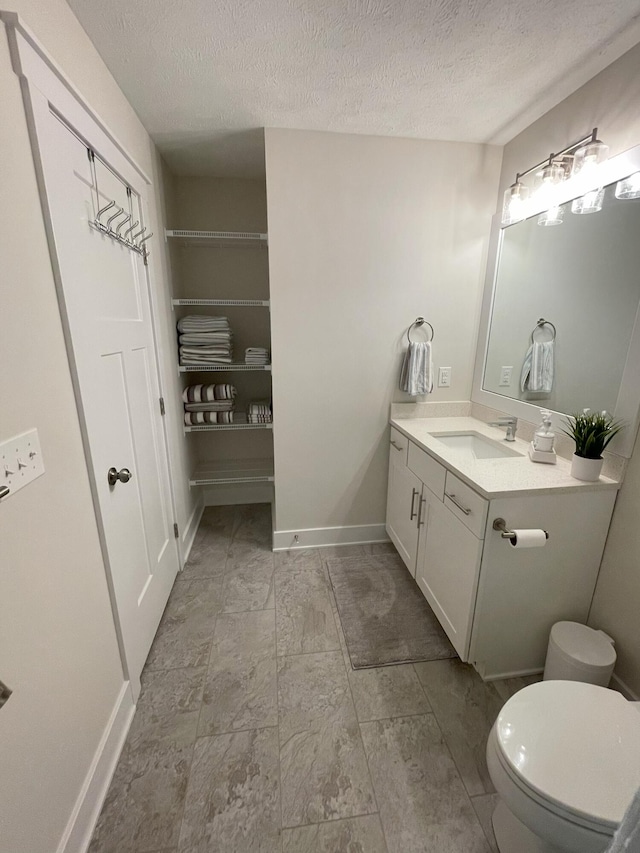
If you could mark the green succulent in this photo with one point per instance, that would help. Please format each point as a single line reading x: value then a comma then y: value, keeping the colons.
x: 592, y: 432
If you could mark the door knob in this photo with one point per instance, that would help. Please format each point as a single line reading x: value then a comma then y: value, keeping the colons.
x: 113, y: 475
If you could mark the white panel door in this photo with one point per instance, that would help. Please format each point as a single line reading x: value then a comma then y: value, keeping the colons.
x: 103, y: 287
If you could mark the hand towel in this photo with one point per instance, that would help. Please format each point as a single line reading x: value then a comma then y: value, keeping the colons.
x: 537, y: 368
x: 627, y: 837
x: 416, y: 376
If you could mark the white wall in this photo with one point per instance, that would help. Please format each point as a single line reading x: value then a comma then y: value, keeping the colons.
x: 365, y: 234
x: 611, y: 101
x: 58, y: 647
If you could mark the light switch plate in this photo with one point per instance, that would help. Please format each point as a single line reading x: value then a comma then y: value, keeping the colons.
x: 20, y: 461
x: 444, y: 377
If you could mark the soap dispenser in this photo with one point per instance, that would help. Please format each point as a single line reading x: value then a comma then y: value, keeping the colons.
x: 541, y: 448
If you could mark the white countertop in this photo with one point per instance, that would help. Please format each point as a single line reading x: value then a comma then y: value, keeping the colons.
x: 494, y: 478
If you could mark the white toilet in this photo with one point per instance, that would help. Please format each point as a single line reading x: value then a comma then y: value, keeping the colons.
x: 565, y: 760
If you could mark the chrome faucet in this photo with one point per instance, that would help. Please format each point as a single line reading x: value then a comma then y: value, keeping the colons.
x: 511, y: 424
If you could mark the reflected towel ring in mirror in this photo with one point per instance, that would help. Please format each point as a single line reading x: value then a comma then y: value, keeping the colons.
x: 542, y: 322
x: 419, y: 321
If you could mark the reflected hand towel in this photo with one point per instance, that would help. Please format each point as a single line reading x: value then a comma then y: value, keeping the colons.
x: 416, y: 376
x: 537, y: 369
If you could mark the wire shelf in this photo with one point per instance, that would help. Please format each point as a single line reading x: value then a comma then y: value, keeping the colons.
x: 233, y: 471
x: 211, y: 427
x: 207, y: 368
x: 252, y: 303
x: 220, y: 239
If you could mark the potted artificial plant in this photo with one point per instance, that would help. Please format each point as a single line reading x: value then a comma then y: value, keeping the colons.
x: 591, y: 432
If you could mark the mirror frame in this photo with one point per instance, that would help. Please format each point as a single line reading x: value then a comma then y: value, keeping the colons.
x: 628, y: 401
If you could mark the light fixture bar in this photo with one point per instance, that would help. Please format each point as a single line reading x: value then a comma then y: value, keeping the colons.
x: 591, y: 137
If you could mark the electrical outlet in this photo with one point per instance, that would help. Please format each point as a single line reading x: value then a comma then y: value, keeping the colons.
x: 444, y: 377
x: 20, y: 462
x: 505, y: 375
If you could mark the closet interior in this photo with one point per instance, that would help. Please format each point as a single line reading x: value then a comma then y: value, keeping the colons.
x: 219, y: 255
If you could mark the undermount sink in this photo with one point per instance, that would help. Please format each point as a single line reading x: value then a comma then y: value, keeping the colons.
x: 475, y: 445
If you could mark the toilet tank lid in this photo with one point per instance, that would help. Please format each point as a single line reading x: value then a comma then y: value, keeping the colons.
x: 577, y: 745
x: 584, y: 644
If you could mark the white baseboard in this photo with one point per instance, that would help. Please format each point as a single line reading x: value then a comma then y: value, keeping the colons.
x: 626, y: 691
x: 189, y: 532
x: 86, y: 811
x: 317, y: 537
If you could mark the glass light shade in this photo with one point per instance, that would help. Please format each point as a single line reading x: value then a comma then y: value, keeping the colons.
x: 590, y: 202
x: 546, y: 183
x: 553, y: 216
x: 629, y: 187
x: 514, y: 208
x: 588, y: 158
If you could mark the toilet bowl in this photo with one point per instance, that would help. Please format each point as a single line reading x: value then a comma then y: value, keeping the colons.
x: 565, y: 761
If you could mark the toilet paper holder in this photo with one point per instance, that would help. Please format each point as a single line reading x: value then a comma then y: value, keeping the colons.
x: 501, y: 525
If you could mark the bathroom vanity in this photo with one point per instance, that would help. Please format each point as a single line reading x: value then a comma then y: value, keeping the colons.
x: 449, y: 479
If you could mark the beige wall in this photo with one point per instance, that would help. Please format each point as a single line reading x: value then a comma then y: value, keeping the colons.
x: 365, y: 234
x: 58, y: 647
x: 611, y: 101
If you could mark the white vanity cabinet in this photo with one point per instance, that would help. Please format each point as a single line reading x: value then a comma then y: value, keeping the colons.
x: 495, y: 602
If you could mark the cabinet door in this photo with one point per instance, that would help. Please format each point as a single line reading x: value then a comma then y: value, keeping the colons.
x: 447, y: 573
x: 403, y: 502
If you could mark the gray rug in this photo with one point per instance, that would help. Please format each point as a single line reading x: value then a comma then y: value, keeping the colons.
x: 384, y: 616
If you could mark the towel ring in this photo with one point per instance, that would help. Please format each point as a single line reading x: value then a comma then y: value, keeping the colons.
x: 419, y: 321
x: 542, y: 322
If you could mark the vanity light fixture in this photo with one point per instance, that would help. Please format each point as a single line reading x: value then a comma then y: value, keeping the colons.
x: 590, y: 202
x: 586, y: 161
x: 552, y: 216
x: 578, y: 161
x: 514, y: 207
x: 588, y: 157
x: 629, y: 187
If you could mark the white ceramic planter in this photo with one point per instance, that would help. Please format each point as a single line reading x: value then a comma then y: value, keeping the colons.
x: 586, y: 469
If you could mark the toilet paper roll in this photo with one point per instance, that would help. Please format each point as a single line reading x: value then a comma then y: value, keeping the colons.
x: 529, y: 539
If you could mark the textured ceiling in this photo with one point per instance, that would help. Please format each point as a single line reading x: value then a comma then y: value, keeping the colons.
x: 206, y: 75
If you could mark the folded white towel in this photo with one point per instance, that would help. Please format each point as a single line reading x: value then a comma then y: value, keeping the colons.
x: 217, y: 349
x: 198, y: 338
x: 627, y: 837
x: 416, y: 376
x: 202, y: 323
x: 538, y: 367
x: 205, y: 359
x: 211, y: 406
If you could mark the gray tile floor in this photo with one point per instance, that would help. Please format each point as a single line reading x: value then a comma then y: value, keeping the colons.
x: 254, y: 735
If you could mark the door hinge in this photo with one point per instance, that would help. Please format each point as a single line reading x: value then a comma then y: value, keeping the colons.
x: 162, y: 405
x: 176, y: 532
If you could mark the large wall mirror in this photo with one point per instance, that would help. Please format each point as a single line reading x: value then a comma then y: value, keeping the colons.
x: 561, y: 326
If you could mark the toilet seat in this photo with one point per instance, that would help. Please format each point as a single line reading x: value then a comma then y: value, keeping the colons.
x: 573, y: 748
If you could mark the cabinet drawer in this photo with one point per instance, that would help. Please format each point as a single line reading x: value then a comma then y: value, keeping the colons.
x: 398, y: 446
x: 466, y: 504
x: 431, y: 473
